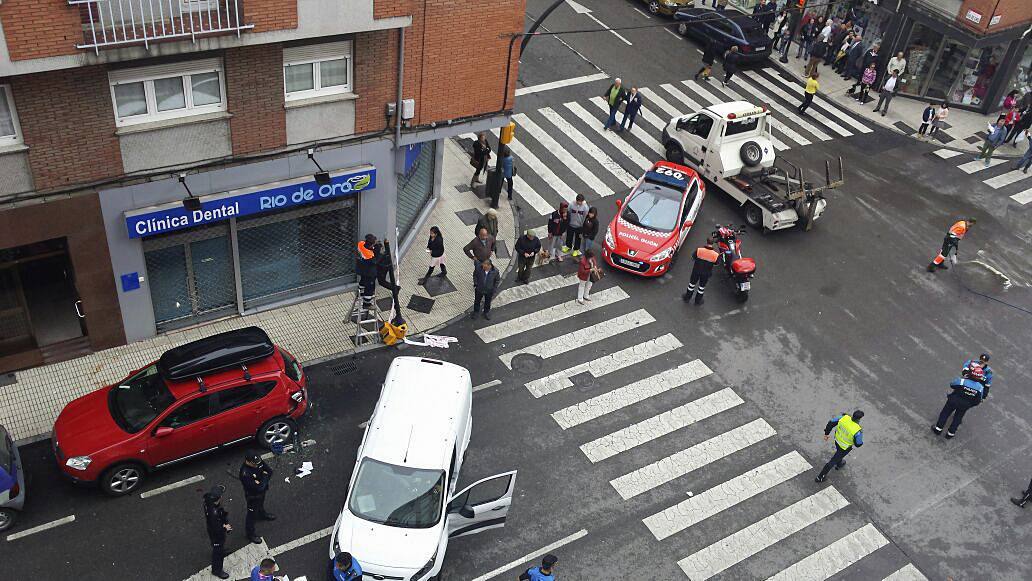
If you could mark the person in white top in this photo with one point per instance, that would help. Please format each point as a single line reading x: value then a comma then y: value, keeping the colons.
x: 888, y: 91
x: 940, y: 118
x: 826, y: 31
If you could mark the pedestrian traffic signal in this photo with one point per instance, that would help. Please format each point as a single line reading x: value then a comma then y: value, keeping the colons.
x: 508, y: 132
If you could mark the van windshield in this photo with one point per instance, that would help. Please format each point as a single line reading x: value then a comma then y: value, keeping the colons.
x: 397, y: 496
x: 136, y: 401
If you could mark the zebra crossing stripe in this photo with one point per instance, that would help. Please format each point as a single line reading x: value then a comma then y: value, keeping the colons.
x: 725, y: 495
x: 1023, y: 197
x: 774, y: 122
x: 908, y: 573
x: 946, y: 153
x: 1005, y: 179
x: 660, y: 102
x: 550, y: 315
x: 762, y: 534
x: 533, y: 289
x: 543, y: 171
x: 791, y: 98
x: 530, y: 196
x: 682, y: 97
x: 690, y: 459
x: 586, y: 176
x: 588, y: 146
x: 616, y: 361
x: 979, y: 165
x: 624, y: 147
x: 835, y: 557
x: 637, y: 131
x: 773, y: 104
x: 586, y: 336
x: 839, y: 114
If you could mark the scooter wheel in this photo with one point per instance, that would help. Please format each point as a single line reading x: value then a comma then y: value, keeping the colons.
x: 742, y: 296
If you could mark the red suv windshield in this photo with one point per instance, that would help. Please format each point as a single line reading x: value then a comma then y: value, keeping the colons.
x: 136, y: 401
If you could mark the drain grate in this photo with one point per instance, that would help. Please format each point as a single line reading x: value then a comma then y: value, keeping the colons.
x: 344, y: 367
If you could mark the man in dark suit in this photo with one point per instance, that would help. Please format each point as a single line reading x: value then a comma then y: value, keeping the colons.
x: 631, y: 109
x: 485, y: 282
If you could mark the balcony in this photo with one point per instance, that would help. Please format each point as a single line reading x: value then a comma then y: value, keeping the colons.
x: 118, y: 23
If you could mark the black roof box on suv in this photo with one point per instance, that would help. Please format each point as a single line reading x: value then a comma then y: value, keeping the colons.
x: 222, y: 351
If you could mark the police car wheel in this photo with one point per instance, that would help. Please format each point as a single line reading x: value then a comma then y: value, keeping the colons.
x: 7, y: 518
x: 276, y: 431
x: 753, y: 215
x: 751, y: 153
x: 121, y: 479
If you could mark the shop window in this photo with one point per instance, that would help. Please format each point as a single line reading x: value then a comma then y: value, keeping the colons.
x: 416, y: 187
x: 316, y: 70
x: 1022, y: 79
x: 165, y: 92
x: 10, y: 133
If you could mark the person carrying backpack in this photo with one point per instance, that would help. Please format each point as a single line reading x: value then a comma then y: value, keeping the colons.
x: 546, y: 572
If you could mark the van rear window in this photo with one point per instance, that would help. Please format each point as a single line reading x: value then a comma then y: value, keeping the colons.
x: 743, y: 126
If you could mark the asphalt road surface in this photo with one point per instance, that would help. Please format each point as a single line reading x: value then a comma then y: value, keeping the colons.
x: 675, y: 441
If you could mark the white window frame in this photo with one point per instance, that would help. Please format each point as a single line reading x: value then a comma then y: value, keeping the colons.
x: 147, y: 75
x: 315, y: 54
x: 15, y: 139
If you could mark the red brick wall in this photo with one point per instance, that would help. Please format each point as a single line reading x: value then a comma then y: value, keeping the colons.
x: 40, y: 28
x: 269, y: 15
x: 254, y: 88
x: 376, y: 78
x: 68, y: 123
x: 1011, y: 12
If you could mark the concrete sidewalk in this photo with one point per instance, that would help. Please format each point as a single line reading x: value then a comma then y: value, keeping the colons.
x: 312, y: 331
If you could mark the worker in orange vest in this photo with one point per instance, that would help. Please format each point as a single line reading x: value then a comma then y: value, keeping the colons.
x: 705, y: 257
x: 950, y: 243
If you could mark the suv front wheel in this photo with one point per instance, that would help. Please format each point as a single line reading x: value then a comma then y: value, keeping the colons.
x: 674, y: 153
x: 276, y: 431
x: 121, y: 479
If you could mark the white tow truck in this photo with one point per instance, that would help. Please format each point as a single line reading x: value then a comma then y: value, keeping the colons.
x: 730, y: 145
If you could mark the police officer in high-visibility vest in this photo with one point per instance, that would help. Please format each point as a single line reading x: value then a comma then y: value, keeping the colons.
x: 705, y: 257
x: 968, y: 390
x: 951, y: 242
x: 848, y: 433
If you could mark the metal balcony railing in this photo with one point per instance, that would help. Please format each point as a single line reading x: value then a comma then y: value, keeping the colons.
x: 113, y: 23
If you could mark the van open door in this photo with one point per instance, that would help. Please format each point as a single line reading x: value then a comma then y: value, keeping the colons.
x: 482, y: 505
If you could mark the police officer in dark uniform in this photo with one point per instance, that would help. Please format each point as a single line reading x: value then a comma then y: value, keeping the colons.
x: 217, y: 520
x: 705, y: 257
x: 255, y: 475
x: 968, y: 391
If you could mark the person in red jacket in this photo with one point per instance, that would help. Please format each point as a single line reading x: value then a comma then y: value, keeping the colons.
x: 587, y: 269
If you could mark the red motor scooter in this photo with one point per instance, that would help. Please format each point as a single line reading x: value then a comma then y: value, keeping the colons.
x: 739, y: 269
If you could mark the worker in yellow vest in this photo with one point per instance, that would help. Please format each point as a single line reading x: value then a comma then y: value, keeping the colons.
x: 848, y: 433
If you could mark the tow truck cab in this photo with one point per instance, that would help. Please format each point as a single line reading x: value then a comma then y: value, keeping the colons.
x: 723, y: 140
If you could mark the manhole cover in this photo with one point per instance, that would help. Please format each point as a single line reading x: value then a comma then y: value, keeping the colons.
x: 527, y: 363
x: 584, y: 381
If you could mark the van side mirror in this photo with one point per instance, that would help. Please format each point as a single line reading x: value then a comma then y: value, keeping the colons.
x: 619, y: 203
x: 163, y: 431
x: 467, y: 512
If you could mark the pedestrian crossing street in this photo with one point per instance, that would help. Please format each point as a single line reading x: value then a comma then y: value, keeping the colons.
x: 570, y: 140
x: 697, y: 529
x: 999, y: 174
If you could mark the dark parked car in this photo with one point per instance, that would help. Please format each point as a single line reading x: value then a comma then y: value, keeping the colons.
x: 726, y: 29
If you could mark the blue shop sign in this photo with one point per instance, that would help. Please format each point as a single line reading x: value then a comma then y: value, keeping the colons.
x: 257, y: 200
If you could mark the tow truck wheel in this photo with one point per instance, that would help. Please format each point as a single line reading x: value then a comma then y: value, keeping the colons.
x: 751, y: 153
x: 674, y: 153
x: 654, y: 6
x: 753, y: 215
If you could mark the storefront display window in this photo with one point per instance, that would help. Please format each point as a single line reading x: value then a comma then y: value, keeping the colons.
x: 971, y: 83
x: 1022, y: 79
x: 416, y: 187
x: 944, y: 69
x: 921, y: 54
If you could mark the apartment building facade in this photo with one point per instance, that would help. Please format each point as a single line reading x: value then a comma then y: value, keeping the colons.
x: 167, y: 162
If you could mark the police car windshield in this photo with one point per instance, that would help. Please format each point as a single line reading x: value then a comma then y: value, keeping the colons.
x: 135, y: 402
x: 654, y: 207
x: 397, y: 496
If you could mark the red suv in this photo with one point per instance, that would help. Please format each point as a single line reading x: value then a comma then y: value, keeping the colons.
x: 196, y: 398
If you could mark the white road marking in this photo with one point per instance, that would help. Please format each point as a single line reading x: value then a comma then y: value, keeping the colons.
x: 301, y: 541
x: 676, y: 35
x: 908, y: 573
x: 579, y: 9
x: 41, y: 528
x: 564, y: 157
x: 773, y: 104
x: 632, y: 355
x: 637, y: 131
x: 486, y: 385
x: 667, y: 108
x: 1023, y: 197
x: 560, y: 84
x: 775, y: 123
x: 979, y: 165
x: 533, y: 289
x: 660, y: 425
x: 640, y: 12
x: 532, y: 556
x: 690, y: 459
x: 1006, y: 179
x: 947, y: 153
x: 814, y: 113
x: 843, y: 116
x: 610, y: 136
x: 588, y: 146
x: 530, y: 196
x: 694, y: 510
x: 835, y: 557
x: 585, y: 336
x: 549, y: 315
x: 543, y: 171
x: 760, y: 535
x: 172, y: 486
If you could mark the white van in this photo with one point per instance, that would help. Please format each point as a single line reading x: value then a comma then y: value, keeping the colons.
x: 402, y: 507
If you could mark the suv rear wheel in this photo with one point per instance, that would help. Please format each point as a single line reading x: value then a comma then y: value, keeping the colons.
x: 121, y: 479
x: 276, y: 431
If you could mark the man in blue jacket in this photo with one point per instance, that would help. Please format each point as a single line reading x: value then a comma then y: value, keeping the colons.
x: 968, y: 391
x: 546, y: 572
x: 997, y: 135
x: 631, y: 109
x: 346, y: 568
x: 983, y: 362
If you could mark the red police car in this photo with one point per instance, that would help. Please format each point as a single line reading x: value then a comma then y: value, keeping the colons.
x: 654, y: 219
x: 199, y: 397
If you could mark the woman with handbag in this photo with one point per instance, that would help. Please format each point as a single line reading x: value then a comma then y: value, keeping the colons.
x: 588, y: 273
x: 481, y: 155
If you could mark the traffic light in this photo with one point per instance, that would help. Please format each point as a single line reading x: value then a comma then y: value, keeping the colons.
x: 507, y: 133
